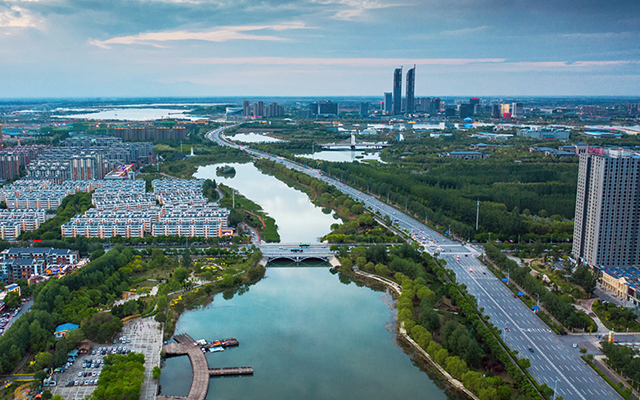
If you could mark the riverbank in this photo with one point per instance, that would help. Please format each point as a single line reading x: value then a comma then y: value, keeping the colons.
x: 403, y: 334
x: 250, y: 213
x: 246, y: 274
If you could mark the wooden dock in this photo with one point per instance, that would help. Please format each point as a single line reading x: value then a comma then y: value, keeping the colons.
x: 231, y: 371
x: 201, y: 371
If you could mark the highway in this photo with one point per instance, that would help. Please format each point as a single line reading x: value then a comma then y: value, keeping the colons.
x: 553, y: 360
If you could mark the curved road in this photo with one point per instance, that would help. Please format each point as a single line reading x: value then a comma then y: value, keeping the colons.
x: 552, y: 360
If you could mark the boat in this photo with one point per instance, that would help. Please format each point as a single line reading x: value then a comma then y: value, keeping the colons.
x: 216, y: 349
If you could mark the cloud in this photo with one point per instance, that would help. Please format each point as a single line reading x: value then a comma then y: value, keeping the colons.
x: 596, y: 35
x: 349, y: 10
x: 222, y: 34
x: 464, y: 31
x: 16, y: 17
x: 348, y: 62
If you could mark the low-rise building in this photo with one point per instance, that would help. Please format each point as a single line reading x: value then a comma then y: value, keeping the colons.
x: 466, y: 155
x: 546, y: 132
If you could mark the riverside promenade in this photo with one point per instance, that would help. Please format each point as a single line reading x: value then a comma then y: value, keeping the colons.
x: 201, y: 372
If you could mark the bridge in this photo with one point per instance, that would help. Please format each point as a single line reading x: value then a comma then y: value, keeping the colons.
x: 353, y: 145
x: 295, y: 252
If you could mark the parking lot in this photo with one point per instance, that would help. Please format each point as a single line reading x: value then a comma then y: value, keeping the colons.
x: 143, y: 336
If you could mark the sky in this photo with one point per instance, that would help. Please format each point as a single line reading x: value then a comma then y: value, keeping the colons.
x: 140, y: 48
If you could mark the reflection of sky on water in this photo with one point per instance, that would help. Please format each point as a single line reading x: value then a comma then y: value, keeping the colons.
x: 297, y: 218
x: 133, y: 114
x: 253, y: 138
x: 308, y: 336
x: 342, y: 156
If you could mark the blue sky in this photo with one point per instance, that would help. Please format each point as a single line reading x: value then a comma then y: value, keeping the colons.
x: 90, y: 48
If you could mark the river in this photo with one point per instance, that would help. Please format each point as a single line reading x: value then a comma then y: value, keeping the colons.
x: 307, y: 333
x: 307, y: 336
x: 297, y: 218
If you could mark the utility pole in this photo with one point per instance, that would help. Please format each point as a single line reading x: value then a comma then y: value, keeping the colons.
x: 477, y: 213
x: 425, y: 218
x: 233, y: 197
x: 538, y: 302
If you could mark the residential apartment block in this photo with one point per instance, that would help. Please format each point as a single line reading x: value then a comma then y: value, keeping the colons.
x: 607, y: 208
x: 125, y: 208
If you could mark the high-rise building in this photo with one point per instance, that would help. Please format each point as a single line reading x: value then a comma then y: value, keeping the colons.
x: 495, y: 111
x: 517, y: 110
x: 505, y: 110
x: 258, y: 109
x: 607, y: 217
x: 436, y: 106
x: 397, y: 91
x: 324, y: 108
x: 364, y: 110
x: 388, y: 103
x: 246, y: 108
x: 411, y: 88
x: 465, y: 110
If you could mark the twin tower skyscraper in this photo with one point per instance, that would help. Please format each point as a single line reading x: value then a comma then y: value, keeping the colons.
x: 396, y: 104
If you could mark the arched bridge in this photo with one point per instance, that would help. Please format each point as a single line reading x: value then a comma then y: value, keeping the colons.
x: 296, y: 252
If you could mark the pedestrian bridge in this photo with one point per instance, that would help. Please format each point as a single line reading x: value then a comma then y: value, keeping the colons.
x: 295, y: 252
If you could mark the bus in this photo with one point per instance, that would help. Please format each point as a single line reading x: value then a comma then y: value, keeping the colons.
x: 304, y: 244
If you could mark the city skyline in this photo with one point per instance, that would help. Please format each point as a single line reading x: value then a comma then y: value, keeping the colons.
x: 66, y: 48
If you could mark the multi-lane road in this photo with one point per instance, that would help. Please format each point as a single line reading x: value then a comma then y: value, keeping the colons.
x: 554, y: 360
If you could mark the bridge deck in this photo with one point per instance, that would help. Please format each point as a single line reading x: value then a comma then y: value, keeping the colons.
x: 199, y: 366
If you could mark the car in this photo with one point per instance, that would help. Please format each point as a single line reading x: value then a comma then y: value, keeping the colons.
x: 530, y: 350
x: 575, y: 345
x: 93, y: 352
x: 86, y: 382
x: 484, y: 273
x: 514, y: 296
x: 94, y: 374
x: 80, y: 374
x: 506, y: 329
x: 76, y: 382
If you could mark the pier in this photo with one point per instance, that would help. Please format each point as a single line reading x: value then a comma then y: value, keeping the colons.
x: 185, y: 345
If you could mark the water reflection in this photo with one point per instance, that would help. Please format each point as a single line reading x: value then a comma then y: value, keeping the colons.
x: 253, y: 137
x: 342, y: 156
x: 297, y: 218
x: 308, y: 336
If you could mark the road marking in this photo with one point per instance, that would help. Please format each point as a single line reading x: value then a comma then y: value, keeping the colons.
x: 529, y: 340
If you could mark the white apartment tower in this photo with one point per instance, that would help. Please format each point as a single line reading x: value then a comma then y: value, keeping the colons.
x: 608, y: 208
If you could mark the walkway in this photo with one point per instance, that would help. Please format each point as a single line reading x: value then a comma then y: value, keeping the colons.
x: 199, y: 366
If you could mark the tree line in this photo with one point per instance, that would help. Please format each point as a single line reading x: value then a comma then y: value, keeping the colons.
x: 462, y: 343
x: 552, y: 301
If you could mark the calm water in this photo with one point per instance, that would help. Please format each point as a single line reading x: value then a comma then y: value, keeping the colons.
x: 307, y: 336
x: 254, y: 137
x: 342, y: 156
x: 132, y: 114
x: 297, y: 218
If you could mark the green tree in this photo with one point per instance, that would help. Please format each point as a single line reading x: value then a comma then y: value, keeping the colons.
x: 40, y: 375
x: 455, y: 366
x: 96, y: 254
x: 187, y: 262
x: 57, y: 397
x: 102, y: 327
x: 181, y: 275
x: 12, y: 299
x: 156, y: 372
x: 44, y: 360
x: 46, y: 395
x: 61, y: 352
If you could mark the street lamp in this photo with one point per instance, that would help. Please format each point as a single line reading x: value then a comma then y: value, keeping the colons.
x: 555, y: 389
